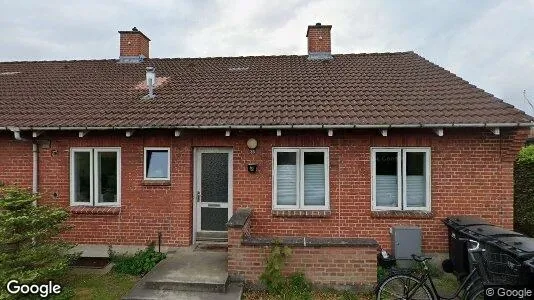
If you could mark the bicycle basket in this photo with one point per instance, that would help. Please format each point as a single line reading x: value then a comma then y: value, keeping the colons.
x: 502, y: 268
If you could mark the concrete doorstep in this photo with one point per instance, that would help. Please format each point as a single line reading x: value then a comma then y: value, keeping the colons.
x: 188, y: 274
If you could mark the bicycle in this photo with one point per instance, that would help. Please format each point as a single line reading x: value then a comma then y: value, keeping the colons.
x: 408, y: 286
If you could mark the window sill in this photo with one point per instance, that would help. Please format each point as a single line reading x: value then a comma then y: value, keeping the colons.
x: 301, y: 213
x: 95, y: 210
x: 156, y: 182
x: 405, y: 214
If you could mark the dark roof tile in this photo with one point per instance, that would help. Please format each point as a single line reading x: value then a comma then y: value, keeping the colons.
x: 351, y: 89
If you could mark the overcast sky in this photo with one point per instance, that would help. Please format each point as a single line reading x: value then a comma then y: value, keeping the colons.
x: 489, y: 43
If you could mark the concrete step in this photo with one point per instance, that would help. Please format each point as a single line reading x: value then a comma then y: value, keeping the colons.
x: 211, y: 246
x: 212, y: 236
x: 187, y: 270
x: 233, y: 292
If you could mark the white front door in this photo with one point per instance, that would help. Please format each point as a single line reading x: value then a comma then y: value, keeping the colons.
x: 212, y: 189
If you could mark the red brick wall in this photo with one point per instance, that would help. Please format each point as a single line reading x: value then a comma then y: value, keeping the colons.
x: 321, y: 265
x: 145, y: 210
x: 15, y: 161
x: 319, y: 39
x: 471, y: 174
x: 134, y: 44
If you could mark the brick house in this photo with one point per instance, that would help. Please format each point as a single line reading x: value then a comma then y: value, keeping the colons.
x: 326, y: 152
x: 530, y: 138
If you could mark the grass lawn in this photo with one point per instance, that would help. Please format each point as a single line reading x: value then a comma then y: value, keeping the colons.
x: 445, y: 283
x: 114, y: 285
x: 317, y: 295
x: 102, y: 287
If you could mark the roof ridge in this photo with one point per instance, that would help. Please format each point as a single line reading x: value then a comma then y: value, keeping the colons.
x: 57, y: 61
x: 208, y: 57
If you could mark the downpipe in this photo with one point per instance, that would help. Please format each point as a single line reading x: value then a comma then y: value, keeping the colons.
x: 35, y: 171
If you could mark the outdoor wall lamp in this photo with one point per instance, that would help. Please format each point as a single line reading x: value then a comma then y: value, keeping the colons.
x: 252, y: 144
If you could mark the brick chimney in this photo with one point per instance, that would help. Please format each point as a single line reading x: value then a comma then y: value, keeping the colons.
x: 319, y: 42
x: 134, y: 45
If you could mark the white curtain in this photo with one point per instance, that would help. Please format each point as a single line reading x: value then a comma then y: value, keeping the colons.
x: 314, y: 184
x: 415, y: 191
x: 286, y: 184
x: 387, y: 192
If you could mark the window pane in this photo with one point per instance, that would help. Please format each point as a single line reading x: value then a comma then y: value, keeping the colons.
x: 415, y: 179
x: 82, y: 176
x: 314, y: 178
x: 386, y: 178
x: 107, y: 177
x: 286, y: 178
x: 157, y: 164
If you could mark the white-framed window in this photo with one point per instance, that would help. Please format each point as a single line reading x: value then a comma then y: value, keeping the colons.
x: 300, y: 178
x: 157, y: 163
x: 400, y: 178
x: 95, y: 176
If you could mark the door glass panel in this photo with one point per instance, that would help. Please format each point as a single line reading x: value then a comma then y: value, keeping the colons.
x: 387, y: 179
x: 415, y: 179
x: 82, y: 176
x: 107, y: 177
x: 286, y: 178
x: 214, y: 181
x: 213, y: 219
x: 314, y: 181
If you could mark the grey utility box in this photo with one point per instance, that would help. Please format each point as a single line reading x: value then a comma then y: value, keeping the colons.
x: 405, y: 241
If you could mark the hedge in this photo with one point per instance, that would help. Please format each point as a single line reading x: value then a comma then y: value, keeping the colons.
x: 524, y: 191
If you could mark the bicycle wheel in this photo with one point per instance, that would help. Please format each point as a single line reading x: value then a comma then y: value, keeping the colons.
x: 473, y: 288
x: 476, y: 293
x: 401, y: 286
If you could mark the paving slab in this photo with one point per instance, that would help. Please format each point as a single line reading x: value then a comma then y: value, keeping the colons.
x: 233, y: 292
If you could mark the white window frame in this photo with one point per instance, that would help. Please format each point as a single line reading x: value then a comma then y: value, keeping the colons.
x: 146, y: 149
x: 401, y: 182
x: 275, y: 186
x: 73, y: 201
x: 373, y: 178
x: 427, y: 178
x: 93, y: 176
x: 300, y: 179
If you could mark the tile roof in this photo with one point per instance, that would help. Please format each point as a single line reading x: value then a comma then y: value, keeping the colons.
x: 352, y: 89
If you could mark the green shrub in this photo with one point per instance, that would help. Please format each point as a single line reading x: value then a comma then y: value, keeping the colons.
x: 293, y: 287
x: 139, y: 263
x: 272, y: 275
x: 524, y: 191
x: 297, y: 287
x: 526, y: 154
x: 30, y: 251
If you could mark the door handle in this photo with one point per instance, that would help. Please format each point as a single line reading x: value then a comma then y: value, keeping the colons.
x: 198, y: 196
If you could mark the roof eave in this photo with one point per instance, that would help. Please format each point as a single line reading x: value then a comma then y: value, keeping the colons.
x: 292, y: 126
